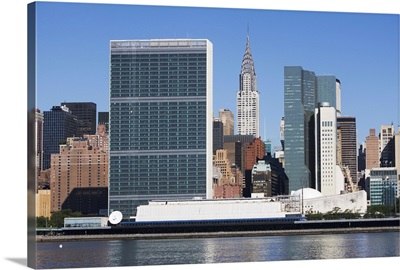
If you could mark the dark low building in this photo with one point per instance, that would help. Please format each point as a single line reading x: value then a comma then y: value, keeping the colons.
x: 89, y: 201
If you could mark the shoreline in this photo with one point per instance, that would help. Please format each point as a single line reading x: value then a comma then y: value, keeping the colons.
x: 57, y: 238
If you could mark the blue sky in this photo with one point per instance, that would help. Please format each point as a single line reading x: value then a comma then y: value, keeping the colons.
x: 362, y: 50
x: 13, y: 50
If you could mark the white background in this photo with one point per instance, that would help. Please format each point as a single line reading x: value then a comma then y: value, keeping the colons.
x: 13, y: 83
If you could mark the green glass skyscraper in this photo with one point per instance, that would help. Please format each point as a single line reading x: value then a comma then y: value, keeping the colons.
x: 160, y: 121
x: 299, y: 105
x: 328, y: 89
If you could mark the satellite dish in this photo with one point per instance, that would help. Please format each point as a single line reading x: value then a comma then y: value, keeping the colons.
x: 115, y: 217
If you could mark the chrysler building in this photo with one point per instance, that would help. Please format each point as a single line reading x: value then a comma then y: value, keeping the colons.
x: 248, y: 115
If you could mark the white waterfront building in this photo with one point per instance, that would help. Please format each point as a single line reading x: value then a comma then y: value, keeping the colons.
x: 211, y: 210
x: 306, y: 201
x: 314, y: 201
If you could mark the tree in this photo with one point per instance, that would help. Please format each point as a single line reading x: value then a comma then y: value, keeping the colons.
x: 335, y: 213
x: 315, y: 216
x: 397, y: 206
x: 57, y: 218
x: 42, y: 222
x: 379, y: 211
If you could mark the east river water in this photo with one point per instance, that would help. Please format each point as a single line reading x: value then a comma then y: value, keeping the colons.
x: 109, y: 253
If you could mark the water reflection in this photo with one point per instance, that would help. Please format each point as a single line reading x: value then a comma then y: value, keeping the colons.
x: 223, y: 250
x: 72, y: 254
x: 216, y: 250
x: 323, y: 247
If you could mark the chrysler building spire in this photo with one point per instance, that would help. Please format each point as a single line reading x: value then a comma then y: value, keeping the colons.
x: 248, y: 97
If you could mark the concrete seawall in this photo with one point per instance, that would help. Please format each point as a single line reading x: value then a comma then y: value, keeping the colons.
x: 63, y: 238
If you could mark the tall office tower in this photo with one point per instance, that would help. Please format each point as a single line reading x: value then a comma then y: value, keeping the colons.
x: 78, y: 164
x: 39, y: 140
x: 248, y: 97
x: 85, y: 112
x: 361, y: 163
x: 299, y: 105
x: 348, y: 143
x: 218, y: 135
x: 160, y: 121
x: 338, y: 98
x: 226, y: 117
x: 328, y: 90
x: 372, y: 151
x: 59, y: 124
x: 325, y: 151
x: 103, y: 119
x: 282, y: 133
x: 386, y: 145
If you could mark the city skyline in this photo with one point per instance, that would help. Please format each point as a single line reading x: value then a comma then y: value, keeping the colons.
x: 14, y: 52
x: 361, y: 50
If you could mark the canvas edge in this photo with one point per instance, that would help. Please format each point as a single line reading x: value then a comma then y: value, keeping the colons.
x: 31, y: 130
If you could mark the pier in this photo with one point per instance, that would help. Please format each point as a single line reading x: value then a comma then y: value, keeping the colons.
x: 242, y: 230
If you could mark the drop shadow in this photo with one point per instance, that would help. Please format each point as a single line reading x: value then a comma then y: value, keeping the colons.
x: 20, y: 261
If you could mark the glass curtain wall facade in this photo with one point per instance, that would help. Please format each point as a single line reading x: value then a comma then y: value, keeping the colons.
x: 218, y: 135
x: 86, y: 114
x: 299, y: 105
x: 59, y: 124
x: 383, y: 186
x: 160, y: 122
x: 326, y: 89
